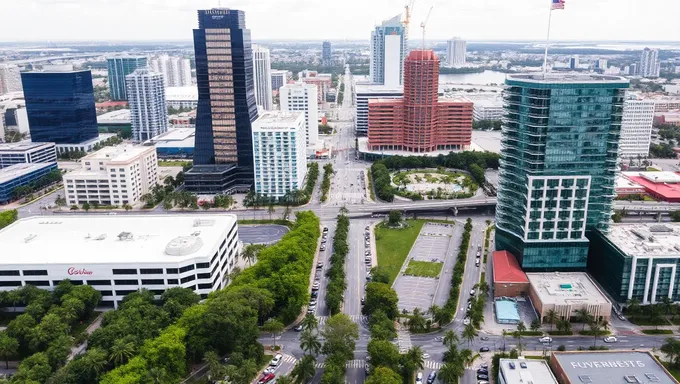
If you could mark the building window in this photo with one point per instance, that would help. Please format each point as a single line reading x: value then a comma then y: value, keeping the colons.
x: 39, y: 283
x: 151, y: 271
x: 124, y: 292
x: 10, y: 283
x: 106, y: 293
x: 124, y: 271
x: 99, y: 282
x: 188, y: 278
x: 203, y: 276
x: 171, y: 271
x: 35, y: 272
x: 205, y: 286
x: 153, y: 282
x: 126, y: 282
x: 202, y: 265
x: 186, y: 268
x: 9, y: 273
x: 173, y: 281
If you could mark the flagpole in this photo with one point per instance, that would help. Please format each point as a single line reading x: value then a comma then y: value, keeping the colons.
x: 547, y: 39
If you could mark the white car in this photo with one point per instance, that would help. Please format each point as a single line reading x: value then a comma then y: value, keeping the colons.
x: 276, y: 360
x: 472, y: 292
x: 545, y: 339
x: 610, y: 339
x: 466, y: 321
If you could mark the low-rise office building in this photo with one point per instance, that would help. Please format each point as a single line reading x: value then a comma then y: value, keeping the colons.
x: 26, y: 152
x: 132, y: 252
x: 176, y: 143
x: 611, y: 367
x: 565, y: 293
x: 19, y: 175
x: 523, y: 371
x: 508, y: 278
x: 113, y: 176
x: 362, y: 94
x: 663, y: 186
x: 637, y: 261
x: 181, y: 97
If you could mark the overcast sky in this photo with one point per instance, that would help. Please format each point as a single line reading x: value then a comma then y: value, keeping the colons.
x: 116, y: 20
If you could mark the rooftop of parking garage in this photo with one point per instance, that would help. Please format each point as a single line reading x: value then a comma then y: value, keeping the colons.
x: 649, y: 239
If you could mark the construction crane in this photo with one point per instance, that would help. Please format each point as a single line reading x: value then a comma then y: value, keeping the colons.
x: 407, y: 16
x: 423, y: 24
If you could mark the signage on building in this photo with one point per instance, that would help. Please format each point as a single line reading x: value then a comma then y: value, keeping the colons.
x: 79, y: 272
x: 608, y: 364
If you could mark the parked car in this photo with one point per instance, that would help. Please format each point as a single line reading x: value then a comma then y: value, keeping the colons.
x: 477, y: 263
x: 482, y: 377
x: 483, y: 371
x: 431, y: 377
x: 472, y: 292
x: 485, y: 366
x: 319, y: 264
x: 484, y: 349
x: 325, y: 229
x: 312, y: 302
x: 266, y: 378
x: 298, y: 328
x: 482, y: 382
x: 610, y: 339
x: 323, y: 248
x: 545, y: 339
x: 367, y: 253
x: 367, y: 227
x: 315, y: 294
x: 363, y: 300
x: 419, y: 377
x: 484, y: 338
x: 276, y: 360
x: 466, y: 321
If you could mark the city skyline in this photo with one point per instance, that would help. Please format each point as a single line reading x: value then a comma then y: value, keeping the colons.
x: 482, y: 20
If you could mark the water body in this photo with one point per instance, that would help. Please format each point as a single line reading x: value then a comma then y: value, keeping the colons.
x: 482, y: 78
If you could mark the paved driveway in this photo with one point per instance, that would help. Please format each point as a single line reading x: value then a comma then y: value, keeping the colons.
x: 261, y: 234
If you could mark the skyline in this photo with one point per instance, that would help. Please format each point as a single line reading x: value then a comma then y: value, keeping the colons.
x: 526, y: 20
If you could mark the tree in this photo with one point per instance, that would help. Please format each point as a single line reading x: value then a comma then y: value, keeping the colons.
x: 304, y: 370
x: 595, y: 329
x: 551, y: 317
x: 675, y: 216
x: 250, y: 252
x: 417, y: 322
x: 215, y: 368
x: 380, y: 296
x: 518, y: 334
x: 343, y: 210
x: 340, y: 334
x: 60, y: 201
x: 271, y: 210
x: 383, y: 375
x: 382, y: 328
x: 633, y: 307
x: 121, y: 351
x: 380, y: 275
x: 412, y: 361
x: 450, y: 338
x: 469, y: 333
x: 564, y: 325
x: 284, y: 380
x: 33, y: 369
x: 535, y: 325
x: 383, y: 353
x: 86, y: 206
x: 286, y: 212
x: 309, y: 342
x: 310, y: 322
x: 274, y: 327
x: 394, y: 218
x: 9, y: 347
x: 584, y: 316
x: 671, y: 348
x: 450, y: 373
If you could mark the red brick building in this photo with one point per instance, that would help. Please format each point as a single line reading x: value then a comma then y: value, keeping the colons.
x: 420, y: 121
x: 508, y: 278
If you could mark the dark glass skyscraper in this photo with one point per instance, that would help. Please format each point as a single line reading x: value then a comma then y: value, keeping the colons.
x: 118, y: 68
x: 226, y: 101
x: 60, y: 106
x: 559, y: 150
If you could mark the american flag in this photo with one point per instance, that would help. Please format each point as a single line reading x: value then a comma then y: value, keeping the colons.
x: 557, y: 4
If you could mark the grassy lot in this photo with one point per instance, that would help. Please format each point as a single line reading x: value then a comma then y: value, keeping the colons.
x: 424, y: 268
x: 393, y: 245
x: 179, y: 163
x: 674, y: 371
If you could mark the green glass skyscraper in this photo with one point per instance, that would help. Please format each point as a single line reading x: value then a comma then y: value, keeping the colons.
x: 559, y: 150
x: 118, y: 68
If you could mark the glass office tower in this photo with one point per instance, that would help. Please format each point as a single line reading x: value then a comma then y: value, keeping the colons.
x: 119, y: 68
x: 60, y: 106
x: 226, y: 103
x: 559, y: 150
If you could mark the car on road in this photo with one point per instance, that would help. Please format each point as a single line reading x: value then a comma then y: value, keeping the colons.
x: 323, y: 248
x: 431, y: 377
x: 426, y: 355
x: 298, y: 328
x: 545, y: 339
x: 363, y: 300
x: 481, y: 376
x: 419, y: 377
x: 315, y: 286
x: 367, y: 369
x: 269, y: 370
x: 312, y: 302
x: 477, y: 263
x: 315, y: 294
x: 484, y: 349
x: 466, y: 321
x: 482, y: 382
x: 276, y: 360
x: 610, y: 339
x: 319, y: 265
x: 325, y: 229
x: 367, y: 227
x: 266, y: 378
x: 484, y: 338
x: 472, y: 292
x: 485, y: 366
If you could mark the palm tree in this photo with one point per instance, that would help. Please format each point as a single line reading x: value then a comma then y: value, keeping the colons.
x: 667, y: 305
x: 215, y: 367
x: 469, y: 333
x: 156, y: 375
x: 518, y: 335
x: 343, y: 210
x: 271, y: 210
x: 504, y: 334
x: 450, y: 373
x: 8, y: 347
x: 633, y: 306
x: 535, y: 325
x: 304, y: 370
x: 584, y: 316
x: 467, y: 357
x: 595, y: 329
x: 284, y: 380
x: 412, y: 361
x: 121, y: 352
x: 248, y: 254
x: 450, y: 338
x: 274, y: 327
x: 309, y: 342
x: 551, y: 317
x: 310, y: 322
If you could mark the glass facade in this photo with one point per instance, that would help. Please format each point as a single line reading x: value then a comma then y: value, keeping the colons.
x: 559, y: 150
x: 60, y: 106
x: 118, y: 68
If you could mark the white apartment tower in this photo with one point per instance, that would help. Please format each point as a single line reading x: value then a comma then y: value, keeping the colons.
x: 636, y: 128
x: 262, y: 70
x: 388, y: 52
x: 176, y: 70
x: 279, y: 153
x: 455, y: 52
x: 10, y: 79
x: 113, y: 176
x: 146, y: 97
x: 279, y: 79
x: 649, y: 63
x: 302, y: 97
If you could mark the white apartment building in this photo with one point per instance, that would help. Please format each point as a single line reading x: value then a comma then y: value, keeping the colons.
x: 10, y: 79
x: 649, y: 63
x: 389, y: 47
x: 279, y: 78
x: 113, y: 176
x: 118, y: 255
x: 176, y: 70
x: 279, y: 152
x: 181, y: 97
x: 146, y: 97
x: 455, y: 52
x: 25, y: 152
x: 262, y: 70
x: 364, y: 92
x: 636, y: 128
x: 302, y: 97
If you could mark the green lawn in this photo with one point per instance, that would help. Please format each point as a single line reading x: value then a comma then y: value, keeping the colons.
x: 393, y: 245
x: 180, y: 163
x: 674, y: 371
x: 424, y: 268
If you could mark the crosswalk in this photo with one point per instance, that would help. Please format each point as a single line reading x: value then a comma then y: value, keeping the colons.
x: 350, y: 364
x: 359, y: 319
x: 289, y: 359
x: 429, y: 364
x: 403, y: 341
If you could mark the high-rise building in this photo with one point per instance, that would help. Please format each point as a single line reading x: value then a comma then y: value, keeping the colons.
x: 146, y: 98
x: 573, y: 62
x: 176, y: 70
x: 262, y: 69
x: 60, y: 106
x: 323, y: 83
x: 649, y: 63
x: 302, y: 97
x: 559, y: 153
x: 223, y: 154
x: 388, y: 51
x: 362, y: 94
x: 636, y: 128
x: 119, y: 67
x: 455, y: 52
x: 10, y: 78
x: 419, y: 122
x: 633, y: 69
x: 279, y: 79
x: 279, y: 149
x: 326, y: 53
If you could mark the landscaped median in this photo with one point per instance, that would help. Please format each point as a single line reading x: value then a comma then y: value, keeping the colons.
x: 394, y: 244
x: 423, y: 268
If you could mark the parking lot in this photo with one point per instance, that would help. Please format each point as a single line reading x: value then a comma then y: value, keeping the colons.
x: 431, y: 245
x: 261, y: 234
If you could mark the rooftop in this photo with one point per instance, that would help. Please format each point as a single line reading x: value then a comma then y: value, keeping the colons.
x: 299, y: 85
x: 21, y: 146
x: 181, y: 93
x: 277, y: 119
x: 562, y: 78
x: 506, y: 269
x: 175, y: 134
x: 647, y: 239
x: 377, y: 88
x: 623, y: 182
x: 121, y: 116
x: 664, y: 184
x: 561, y: 288
x: 620, y: 367
x: 118, y: 154
x: 524, y: 371
x: 111, y: 239
x: 18, y: 170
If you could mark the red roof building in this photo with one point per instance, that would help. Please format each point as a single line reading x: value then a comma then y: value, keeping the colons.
x: 419, y: 122
x: 664, y: 186
x: 508, y: 278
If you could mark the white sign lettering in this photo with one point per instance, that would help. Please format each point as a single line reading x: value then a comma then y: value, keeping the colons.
x: 608, y: 364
